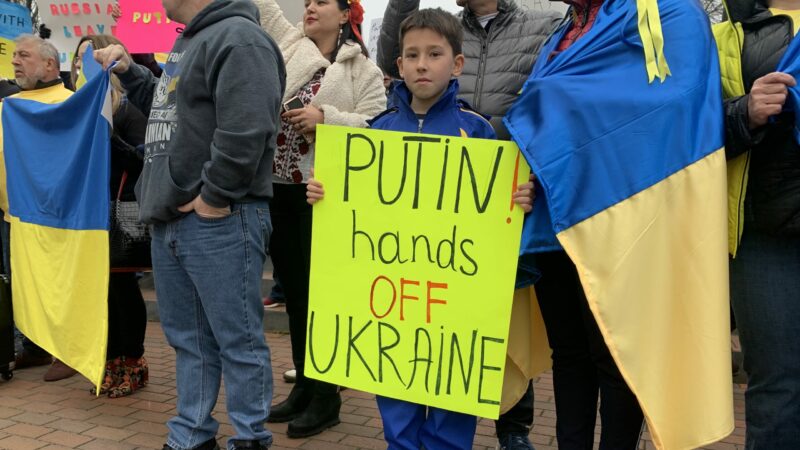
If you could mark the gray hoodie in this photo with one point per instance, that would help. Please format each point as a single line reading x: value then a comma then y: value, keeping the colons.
x: 213, y: 114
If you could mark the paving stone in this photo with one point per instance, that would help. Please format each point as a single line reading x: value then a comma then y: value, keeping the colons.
x: 63, y: 415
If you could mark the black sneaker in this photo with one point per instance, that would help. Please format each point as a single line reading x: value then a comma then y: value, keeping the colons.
x: 515, y: 441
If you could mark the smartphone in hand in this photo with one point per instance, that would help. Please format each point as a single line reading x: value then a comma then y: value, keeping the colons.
x: 293, y: 103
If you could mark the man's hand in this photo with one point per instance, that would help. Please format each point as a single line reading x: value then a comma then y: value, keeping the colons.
x: 304, y: 120
x: 767, y: 97
x: 525, y: 195
x: 205, y: 210
x: 106, y: 56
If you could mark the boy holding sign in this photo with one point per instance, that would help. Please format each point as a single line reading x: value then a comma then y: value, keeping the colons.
x: 426, y: 102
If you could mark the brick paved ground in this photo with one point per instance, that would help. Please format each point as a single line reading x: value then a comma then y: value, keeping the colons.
x: 63, y: 415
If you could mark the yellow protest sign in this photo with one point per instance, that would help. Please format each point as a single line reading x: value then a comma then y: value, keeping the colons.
x: 413, y: 260
x: 7, y: 47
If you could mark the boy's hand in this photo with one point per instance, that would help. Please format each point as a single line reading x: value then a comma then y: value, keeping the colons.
x: 525, y: 195
x: 314, y: 190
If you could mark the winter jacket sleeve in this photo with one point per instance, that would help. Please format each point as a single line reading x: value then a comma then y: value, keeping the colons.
x: 140, y: 85
x: 738, y: 137
x: 371, y: 99
x: 247, y: 117
x: 275, y: 23
x: 389, y: 40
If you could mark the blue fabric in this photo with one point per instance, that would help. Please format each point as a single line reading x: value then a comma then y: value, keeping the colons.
x: 595, y: 132
x: 208, y: 284
x: 89, y: 66
x: 57, y: 159
x: 790, y: 63
x: 16, y: 20
x: 410, y: 426
x: 447, y: 117
x: 764, y: 286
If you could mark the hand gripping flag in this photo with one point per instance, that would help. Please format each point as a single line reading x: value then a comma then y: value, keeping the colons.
x: 57, y: 161
x: 632, y: 176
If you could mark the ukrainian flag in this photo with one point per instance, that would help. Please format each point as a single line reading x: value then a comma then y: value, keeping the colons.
x: 58, y: 168
x: 633, y: 186
x: 790, y: 63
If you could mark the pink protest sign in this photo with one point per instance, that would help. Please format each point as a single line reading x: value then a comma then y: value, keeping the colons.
x: 145, y: 28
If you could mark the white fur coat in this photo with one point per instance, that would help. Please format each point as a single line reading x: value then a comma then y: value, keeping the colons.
x: 352, y: 89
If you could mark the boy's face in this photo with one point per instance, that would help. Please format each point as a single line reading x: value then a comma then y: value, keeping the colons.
x: 427, y: 63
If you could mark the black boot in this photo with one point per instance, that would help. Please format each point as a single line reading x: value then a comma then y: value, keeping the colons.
x: 297, y: 402
x: 321, y: 414
x: 248, y: 445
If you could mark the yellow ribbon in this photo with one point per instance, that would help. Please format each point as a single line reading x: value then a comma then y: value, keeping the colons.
x: 652, y: 39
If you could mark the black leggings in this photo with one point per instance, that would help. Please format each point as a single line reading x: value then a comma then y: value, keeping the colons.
x: 290, y: 249
x: 127, y: 317
x: 582, y: 365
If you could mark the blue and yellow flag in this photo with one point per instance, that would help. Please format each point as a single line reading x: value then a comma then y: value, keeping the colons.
x: 57, y: 164
x: 633, y: 186
x: 790, y: 63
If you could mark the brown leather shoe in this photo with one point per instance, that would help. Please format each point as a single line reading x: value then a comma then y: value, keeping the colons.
x: 25, y: 359
x: 58, y: 371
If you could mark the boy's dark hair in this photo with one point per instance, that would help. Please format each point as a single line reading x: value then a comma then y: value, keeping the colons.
x: 437, y: 20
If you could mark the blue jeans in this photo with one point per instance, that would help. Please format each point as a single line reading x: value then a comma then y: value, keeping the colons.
x: 208, y: 283
x: 411, y: 426
x: 765, y: 292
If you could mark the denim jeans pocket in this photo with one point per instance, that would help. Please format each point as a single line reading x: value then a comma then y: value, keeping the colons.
x: 215, y: 220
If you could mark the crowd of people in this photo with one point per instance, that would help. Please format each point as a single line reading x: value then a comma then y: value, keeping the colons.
x: 241, y: 95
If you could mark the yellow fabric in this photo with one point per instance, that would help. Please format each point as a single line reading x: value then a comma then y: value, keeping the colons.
x: 528, y: 352
x: 50, y: 95
x: 652, y: 40
x: 729, y: 37
x: 793, y: 14
x: 659, y: 293
x: 55, y: 303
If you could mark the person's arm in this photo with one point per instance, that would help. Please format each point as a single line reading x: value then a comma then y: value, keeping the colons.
x: 140, y: 85
x: 247, y: 101
x: 274, y: 22
x: 138, y: 81
x: 370, y: 101
x: 738, y: 136
x: 389, y: 40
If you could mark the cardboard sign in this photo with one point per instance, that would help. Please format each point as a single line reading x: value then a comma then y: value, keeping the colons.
x: 145, y: 28
x: 414, y: 255
x: 70, y: 21
x: 14, y: 20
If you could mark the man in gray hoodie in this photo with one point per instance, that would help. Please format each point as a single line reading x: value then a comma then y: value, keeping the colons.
x: 213, y: 122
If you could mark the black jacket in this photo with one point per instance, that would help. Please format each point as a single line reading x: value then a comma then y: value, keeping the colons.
x: 772, y: 204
